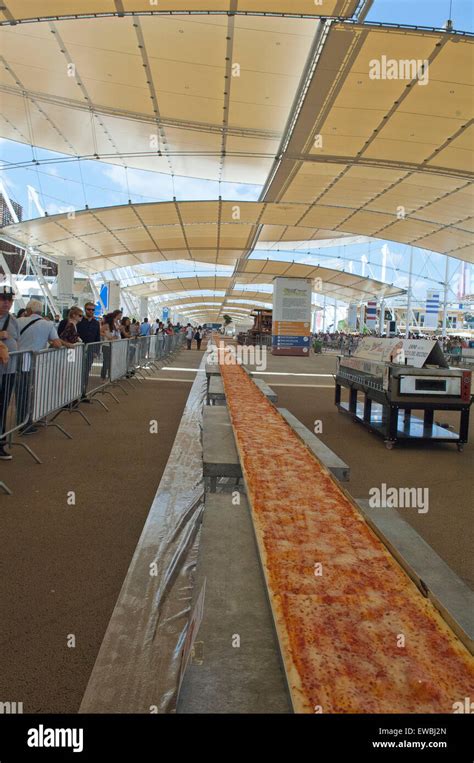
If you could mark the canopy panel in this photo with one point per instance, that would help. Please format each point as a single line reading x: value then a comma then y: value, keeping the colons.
x: 33, y: 10
x: 171, y: 94
x: 381, y: 147
x: 219, y: 233
x: 334, y: 283
x: 112, y: 237
x: 338, y: 284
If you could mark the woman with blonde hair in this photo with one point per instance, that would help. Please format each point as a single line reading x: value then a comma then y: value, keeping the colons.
x: 69, y: 336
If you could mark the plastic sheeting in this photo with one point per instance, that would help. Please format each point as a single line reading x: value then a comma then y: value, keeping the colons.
x: 138, y: 666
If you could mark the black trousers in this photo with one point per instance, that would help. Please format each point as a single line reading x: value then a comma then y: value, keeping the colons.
x: 88, y: 361
x: 22, y: 396
x: 105, y: 361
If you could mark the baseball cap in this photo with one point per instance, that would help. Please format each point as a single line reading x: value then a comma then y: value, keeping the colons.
x: 7, y: 291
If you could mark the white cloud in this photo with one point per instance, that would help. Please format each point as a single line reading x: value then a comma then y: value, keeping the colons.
x: 160, y: 187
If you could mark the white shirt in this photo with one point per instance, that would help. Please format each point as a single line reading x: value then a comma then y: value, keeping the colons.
x: 37, y: 336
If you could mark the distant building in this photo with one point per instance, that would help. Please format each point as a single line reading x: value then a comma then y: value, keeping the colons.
x: 13, y: 255
x: 5, y: 214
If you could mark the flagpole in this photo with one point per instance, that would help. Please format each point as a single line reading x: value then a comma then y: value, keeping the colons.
x: 445, y: 305
x: 407, y: 327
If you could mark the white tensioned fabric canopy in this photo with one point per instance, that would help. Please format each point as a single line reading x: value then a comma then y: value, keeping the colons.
x: 389, y: 157
x: 136, y: 234
x: 12, y: 11
x: 196, y: 96
x: 347, y: 287
x: 219, y: 97
x: 192, y: 302
x: 215, y: 232
x: 236, y: 295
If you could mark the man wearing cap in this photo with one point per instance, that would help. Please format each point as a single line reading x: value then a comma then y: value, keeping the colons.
x: 9, y: 336
x: 36, y: 334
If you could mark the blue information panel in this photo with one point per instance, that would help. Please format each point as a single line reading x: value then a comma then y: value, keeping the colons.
x: 290, y: 341
x: 104, y: 296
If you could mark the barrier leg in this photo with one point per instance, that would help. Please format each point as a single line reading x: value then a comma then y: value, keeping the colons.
x: 116, y: 384
x: 108, y: 392
x: 93, y: 400
x: 30, y: 451
x: 54, y: 424
x: 5, y: 488
x: 76, y: 410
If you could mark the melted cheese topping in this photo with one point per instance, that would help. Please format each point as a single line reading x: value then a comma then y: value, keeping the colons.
x: 355, y: 633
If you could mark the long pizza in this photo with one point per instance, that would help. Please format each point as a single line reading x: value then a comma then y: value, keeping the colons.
x: 355, y: 633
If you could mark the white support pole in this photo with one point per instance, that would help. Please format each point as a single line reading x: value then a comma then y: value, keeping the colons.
x: 324, y: 313
x: 43, y: 284
x: 410, y: 276
x: 446, y: 293
x: 11, y: 209
x: 19, y: 300
x: 335, y: 315
x: 96, y: 294
x: 143, y: 308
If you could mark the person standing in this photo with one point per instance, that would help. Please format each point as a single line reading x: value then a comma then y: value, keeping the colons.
x: 9, y: 336
x: 145, y: 328
x: 189, y: 336
x: 89, y: 332
x: 36, y: 333
x: 109, y: 332
x: 198, y: 337
x: 69, y: 334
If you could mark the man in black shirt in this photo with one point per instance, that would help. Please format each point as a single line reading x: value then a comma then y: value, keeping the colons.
x: 89, y: 328
x: 89, y: 331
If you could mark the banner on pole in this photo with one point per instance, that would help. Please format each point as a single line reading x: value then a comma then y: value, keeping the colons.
x: 371, y: 315
x: 291, y: 326
x: 432, y: 309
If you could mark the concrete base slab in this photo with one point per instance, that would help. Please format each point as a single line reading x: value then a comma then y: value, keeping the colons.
x: 223, y: 677
x: 449, y: 594
x: 220, y: 457
x: 267, y: 391
x: 212, y: 369
x: 327, y: 457
x: 215, y: 392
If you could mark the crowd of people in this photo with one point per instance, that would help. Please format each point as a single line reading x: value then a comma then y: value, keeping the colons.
x: 347, y: 342
x: 30, y: 331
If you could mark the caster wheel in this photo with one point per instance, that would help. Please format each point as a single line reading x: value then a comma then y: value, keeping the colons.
x: 460, y: 448
x: 389, y: 445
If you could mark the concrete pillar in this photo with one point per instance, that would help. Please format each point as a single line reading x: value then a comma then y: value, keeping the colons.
x: 114, y: 296
x: 143, y: 308
x: 66, y: 283
x: 352, y: 316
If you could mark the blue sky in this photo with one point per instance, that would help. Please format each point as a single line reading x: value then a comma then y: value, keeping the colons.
x: 66, y: 185
x: 432, y: 13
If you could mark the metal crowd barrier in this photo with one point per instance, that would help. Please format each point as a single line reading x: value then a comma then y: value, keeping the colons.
x: 16, y: 379
x: 35, y: 387
x: 58, y: 383
x: 96, y: 377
